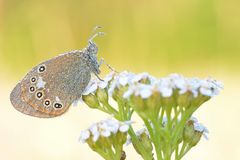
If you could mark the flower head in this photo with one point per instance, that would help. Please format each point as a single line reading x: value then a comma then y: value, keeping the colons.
x: 104, y: 128
x: 107, y: 136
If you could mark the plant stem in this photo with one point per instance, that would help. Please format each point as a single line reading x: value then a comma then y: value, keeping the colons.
x: 125, y: 117
x: 183, y: 154
x: 156, y: 138
x: 181, y: 124
x: 176, y: 152
x: 110, y: 108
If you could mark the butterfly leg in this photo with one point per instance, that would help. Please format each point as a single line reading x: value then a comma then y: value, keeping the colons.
x: 102, y: 61
x: 98, y: 77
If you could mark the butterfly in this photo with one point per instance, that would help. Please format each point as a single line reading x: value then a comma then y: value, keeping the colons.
x: 49, y: 89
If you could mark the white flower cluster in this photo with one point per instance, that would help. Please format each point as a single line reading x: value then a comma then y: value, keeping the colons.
x: 96, y: 83
x: 165, y: 86
x: 104, y: 128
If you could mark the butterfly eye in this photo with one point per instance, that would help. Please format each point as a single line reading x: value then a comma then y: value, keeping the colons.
x: 32, y: 89
x: 41, y: 68
x: 39, y: 95
x: 47, y: 102
x: 57, y: 105
x: 33, y: 80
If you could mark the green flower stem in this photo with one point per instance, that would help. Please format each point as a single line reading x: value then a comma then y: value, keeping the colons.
x: 184, y: 153
x: 105, y: 155
x: 161, y: 116
x: 121, y: 112
x: 176, y: 152
x: 111, y: 153
x: 110, y: 108
x: 179, y: 128
x: 104, y: 110
x: 184, y: 145
x: 168, y: 148
x: 124, y: 116
x: 175, y: 118
x: 118, y: 150
x: 156, y: 137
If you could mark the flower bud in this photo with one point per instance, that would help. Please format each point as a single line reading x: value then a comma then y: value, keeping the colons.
x: 188, y: 131
x: 144, y: 138
x: 102, y: 95
x: 139, y: 105
x: 91, y: 100
x: 196, y: 138
x: 107, y: 136
x: 193, y: 132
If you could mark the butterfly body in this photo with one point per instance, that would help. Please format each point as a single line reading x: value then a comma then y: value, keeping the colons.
x: 52, y: 86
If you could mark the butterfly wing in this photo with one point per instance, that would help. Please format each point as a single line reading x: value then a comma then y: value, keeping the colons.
x: 50, y: 88
x: 24, y: 107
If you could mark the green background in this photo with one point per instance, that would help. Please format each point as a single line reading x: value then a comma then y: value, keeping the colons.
x: 192, y: 37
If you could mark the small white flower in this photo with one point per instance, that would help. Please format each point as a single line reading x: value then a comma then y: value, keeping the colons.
x: 94, y: 131
x: 185, y: 85
x: 91, y: 87
x: 94, y: 85
x: 122, y: 79
x: 84, y: 135
x: 210, y: 87
x: 166, y: 91
x: 166, y: 87
x: 104, y: 129
x: 124, y: 128
x: 141, y: 76
x: 113, y: 125
x: 109, y: 76
x: 199, y: 127
x: 143, y: 90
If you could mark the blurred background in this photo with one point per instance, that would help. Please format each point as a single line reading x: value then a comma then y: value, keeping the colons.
x: 192, y: 37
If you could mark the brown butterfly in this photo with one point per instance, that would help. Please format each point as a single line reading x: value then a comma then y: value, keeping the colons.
x: 52, y: 86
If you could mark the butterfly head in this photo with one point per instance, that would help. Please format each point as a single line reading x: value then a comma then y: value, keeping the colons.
x: 92, y: 50
x: 92, y: 47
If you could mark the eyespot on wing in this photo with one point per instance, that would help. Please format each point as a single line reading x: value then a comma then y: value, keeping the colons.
x: 20, y: 105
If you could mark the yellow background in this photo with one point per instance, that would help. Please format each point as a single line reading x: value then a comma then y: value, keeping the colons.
x: 192, y: 37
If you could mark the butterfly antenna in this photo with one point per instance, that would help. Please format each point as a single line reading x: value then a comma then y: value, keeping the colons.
x: 94, y: 34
